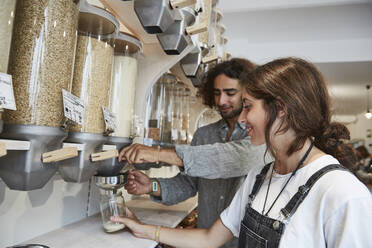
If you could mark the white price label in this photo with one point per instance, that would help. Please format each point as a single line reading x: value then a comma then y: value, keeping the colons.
x: 110, y: 119
x: 6, y: 92
x: 147, y: 141
x: 174, y: 133
x: 183, y: 135
x: 73, y: 107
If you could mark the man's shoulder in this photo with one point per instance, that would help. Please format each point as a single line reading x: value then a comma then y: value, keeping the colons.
x: 210, y: 126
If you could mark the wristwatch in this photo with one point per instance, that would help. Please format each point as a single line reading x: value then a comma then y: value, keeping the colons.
x: 155, y: 186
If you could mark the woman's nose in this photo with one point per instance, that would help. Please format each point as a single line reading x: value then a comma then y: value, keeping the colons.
x: 241, y: 118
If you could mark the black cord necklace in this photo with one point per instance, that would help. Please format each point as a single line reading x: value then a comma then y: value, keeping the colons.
x: 285, y: 185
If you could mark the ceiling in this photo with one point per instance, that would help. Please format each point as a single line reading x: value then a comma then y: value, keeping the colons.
x: 336, y: 35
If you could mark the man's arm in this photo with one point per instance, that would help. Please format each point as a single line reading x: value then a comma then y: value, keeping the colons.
x: 221, y: 160
x: 170, y: 191
x: 176, y: 189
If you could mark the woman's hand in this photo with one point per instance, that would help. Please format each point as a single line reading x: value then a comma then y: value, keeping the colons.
x: 138, y: 229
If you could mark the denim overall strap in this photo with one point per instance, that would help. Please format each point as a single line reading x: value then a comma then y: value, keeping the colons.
x: 303, y: 190
x: 257, y: 230
x: 260, y: 178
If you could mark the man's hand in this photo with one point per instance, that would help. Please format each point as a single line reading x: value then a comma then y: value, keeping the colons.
x: 138, y: 153
x: 138, y: 183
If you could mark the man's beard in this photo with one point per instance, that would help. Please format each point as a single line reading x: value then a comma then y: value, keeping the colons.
x: 232, y: 114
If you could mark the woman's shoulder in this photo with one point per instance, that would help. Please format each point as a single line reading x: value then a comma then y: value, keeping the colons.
x: 340, y: 185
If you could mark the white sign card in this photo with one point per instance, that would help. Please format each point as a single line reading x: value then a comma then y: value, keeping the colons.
x: 73, y: 107
x: 6, y: 92
x: 110, y: 119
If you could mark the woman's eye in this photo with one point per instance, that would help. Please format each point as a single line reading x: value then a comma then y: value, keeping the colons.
x: 246, y: 107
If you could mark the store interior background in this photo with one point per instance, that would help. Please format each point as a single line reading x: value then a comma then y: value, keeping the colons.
x: 334, y: 34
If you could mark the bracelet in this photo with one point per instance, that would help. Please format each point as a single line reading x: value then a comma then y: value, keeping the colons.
x: 157, y: 161
x: 157, y: 234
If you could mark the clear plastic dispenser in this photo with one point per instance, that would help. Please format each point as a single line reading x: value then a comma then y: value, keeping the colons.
x: 123, y: 82
x: 168, y: 108
x: 41, y: 64
x: 91, y: 83
x: 41, y: 60
x: 123, y: 85
x: 155, y: 110
x: 93, y: 66
x: 6, y: 29
x: 7, y: 12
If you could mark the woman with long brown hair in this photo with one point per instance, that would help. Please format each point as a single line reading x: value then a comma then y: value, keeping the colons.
x: 305, y: 198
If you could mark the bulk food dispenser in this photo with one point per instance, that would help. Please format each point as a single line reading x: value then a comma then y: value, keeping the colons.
x: 169, y: 81
x: 41, y: 65
x: 91, y: 83
x: 123, y: 84
x: 6, y: 28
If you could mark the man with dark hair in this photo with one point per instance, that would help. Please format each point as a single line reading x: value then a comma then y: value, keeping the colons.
x: 220, y: 89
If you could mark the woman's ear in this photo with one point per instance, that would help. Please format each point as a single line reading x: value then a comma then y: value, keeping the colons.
x: 281, y: 107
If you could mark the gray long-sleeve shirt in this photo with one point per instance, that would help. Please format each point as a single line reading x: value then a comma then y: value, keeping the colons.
x: 222, y: 160
x: 217, y: 191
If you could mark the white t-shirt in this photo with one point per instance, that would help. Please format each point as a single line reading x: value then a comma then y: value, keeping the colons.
x: 337, y: 212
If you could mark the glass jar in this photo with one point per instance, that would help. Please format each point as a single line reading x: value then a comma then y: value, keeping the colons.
x: 41, y: 60
x: 167, y: 108
x: 123, y: 82
x: 93, y: 65
x: 156, y: 114
x: 112, y: 204
x: 6, y: 28
x: 185, y: 116
x: 176, y: 96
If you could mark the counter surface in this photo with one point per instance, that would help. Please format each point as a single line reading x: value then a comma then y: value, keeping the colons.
x: 88, y: 233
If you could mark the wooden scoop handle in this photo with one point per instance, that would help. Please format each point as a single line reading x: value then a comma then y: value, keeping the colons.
x: 60, y: 154
x: 177, y: 4
x: 104, y: 155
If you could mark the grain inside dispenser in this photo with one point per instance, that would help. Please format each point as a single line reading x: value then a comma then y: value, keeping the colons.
x: 93, y: 65
x: 123, y: 82
x: 6, y: 27
x: 41, y: 60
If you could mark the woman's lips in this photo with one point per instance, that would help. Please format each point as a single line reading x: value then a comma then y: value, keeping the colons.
x: 249, y: 130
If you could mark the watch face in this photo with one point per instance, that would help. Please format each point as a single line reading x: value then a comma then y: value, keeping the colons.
x: 154, y: 186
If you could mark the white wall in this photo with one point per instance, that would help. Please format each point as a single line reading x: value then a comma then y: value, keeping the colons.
x: 27, y: 214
